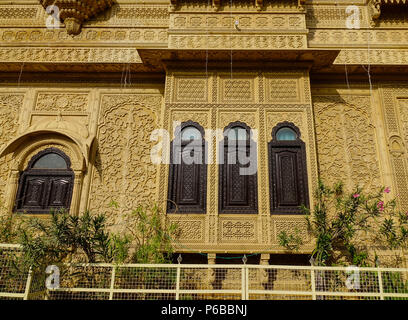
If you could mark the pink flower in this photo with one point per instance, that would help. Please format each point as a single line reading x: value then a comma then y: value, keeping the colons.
x: 356, y: 195
x: 380, y: 206
x: 387, y: 190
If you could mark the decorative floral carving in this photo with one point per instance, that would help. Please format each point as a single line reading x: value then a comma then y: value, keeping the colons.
x: 123, y: 169
x: 62, y: 102
x: 346, y: 141
x: 10, y: 106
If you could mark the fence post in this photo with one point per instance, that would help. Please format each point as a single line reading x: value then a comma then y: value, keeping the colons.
x: 28, y: 284
x: 380, y: 284
x: 244, y: 282
x: 313, y: 282
x: 112, y: 284
x: 178, y: 282
x: 243, y: 285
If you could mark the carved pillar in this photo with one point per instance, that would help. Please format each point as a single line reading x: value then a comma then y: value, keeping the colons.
x: 211, y: 271
x: 264, y: 276
x: 12, y: 190
x: 76, y: 193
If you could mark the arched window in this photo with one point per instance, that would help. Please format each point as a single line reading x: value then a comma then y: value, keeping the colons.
x: 238, y: 187
x: 46, y: 184
x: 188, y: 170
x: 287, y: 170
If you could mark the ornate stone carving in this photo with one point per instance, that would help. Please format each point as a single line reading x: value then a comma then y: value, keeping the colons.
x: 226, y: 117
x: 246, y: 22
x: 282, y: 90
x: 10, y: 107
x: 189, y: 230
x: 323, y: 16
x: 236, y: 89
x: 332, y: 38
x: 346, y: 141
x: 294, y: 226
x: 394, y: 110
x: 372, y: 56
x: 86, y: 37
x: 123, y: 169
x: 227, y: 41
x: 74, y: 13
x: 238, y: 230
x: 192, y: 89
x: 62, y: 102
x: 69, y: 55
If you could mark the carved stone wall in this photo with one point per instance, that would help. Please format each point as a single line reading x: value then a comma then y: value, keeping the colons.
x: 118, y: 164
x: 346, y: 140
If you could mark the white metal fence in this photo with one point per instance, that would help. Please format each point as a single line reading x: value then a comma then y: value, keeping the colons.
x: 198, y: 282
x: 13, y: 283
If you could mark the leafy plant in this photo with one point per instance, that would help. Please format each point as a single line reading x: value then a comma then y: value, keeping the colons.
x: 152, y: 234
x: 344, y: 224
x: 290, y: 241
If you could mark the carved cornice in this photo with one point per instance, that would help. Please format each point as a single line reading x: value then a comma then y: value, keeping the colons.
x: 216, y: 4
x: 74, y: 12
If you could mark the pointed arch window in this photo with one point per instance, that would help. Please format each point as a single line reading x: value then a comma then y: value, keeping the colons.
x: 238, y: 186
x: 287, y: 170
x: 188, y: 170
x: 46, y: 184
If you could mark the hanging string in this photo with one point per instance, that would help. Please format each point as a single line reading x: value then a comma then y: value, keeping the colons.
x: 343, y: 48
x: 21, y: 72
x: 231, y: 37
x: 368, y: 62
x: 206, y: 48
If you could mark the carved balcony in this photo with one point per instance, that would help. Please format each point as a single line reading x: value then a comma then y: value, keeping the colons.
x: 375, y: 8
x: 74, y: 12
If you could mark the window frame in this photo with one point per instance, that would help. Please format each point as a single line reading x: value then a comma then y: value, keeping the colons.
x: 298, y: 148
x: 49, y: 176
x: 175, y: 183
x: 225, y: 204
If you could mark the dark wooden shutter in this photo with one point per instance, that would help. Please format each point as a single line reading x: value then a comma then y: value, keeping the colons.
x: 238, y: 193
x: 59, y: 190
x: 42, y: 190
x: 34, y: 189
x: 187, y: 182
x: 288, y: 177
